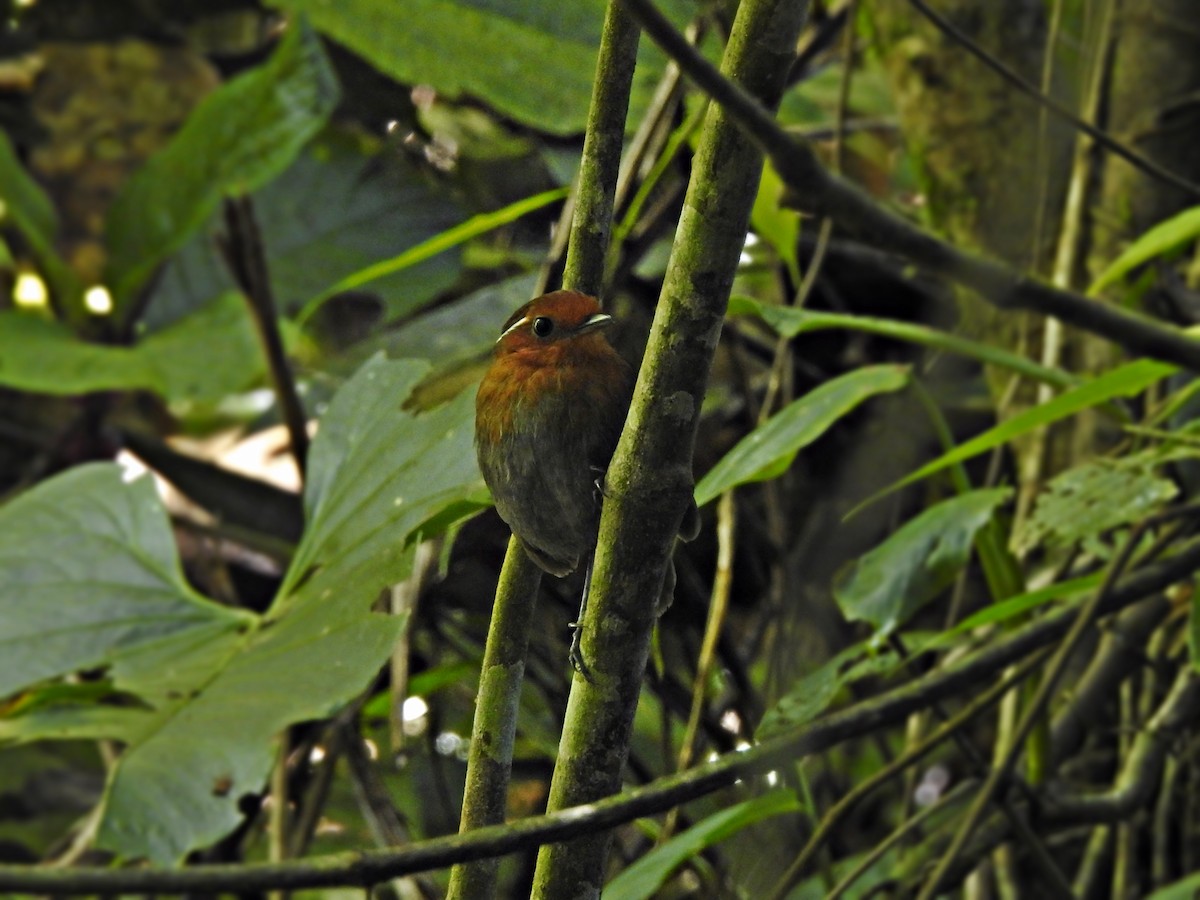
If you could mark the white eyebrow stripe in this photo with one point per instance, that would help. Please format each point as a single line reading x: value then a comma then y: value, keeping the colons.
x: 513, y: 327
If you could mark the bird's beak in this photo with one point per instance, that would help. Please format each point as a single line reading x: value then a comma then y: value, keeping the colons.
x: 593, y: 322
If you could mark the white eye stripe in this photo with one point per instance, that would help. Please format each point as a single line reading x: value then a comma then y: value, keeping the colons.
x: 513, y: 327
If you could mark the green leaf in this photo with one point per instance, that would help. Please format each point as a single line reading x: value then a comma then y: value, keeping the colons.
x: 644, y: 877
x: 88, y: 572
x: 1158, y: 241
x: 439, y: 243
x: 1013, y: 607
x: 1123, y: 381
x: 1091, y: 498
x: 790, y: 321
x: 376, y: 475
x: 811, y: 695
x: 886, y: 586
x: 90, y: 577
x: 177, y: 362
x: 540, y: 58
x: 1185, y: 889
x: 33, y: 214
x: 238, y: 138
x: 778, y: 226
x: 768, y: 450
x: 337, y: 210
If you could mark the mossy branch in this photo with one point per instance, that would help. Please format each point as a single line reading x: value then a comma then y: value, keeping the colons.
x: 649, y: 482
x: 489, y: 764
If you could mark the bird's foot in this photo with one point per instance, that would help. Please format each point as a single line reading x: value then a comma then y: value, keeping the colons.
x: 575, y: 654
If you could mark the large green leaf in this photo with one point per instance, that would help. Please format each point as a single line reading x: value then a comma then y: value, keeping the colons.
x: 410, y: 468
x: 215, y: 686
x: 1096, y: 496
x: 177, y: 362
x: 768, y: 450
x: 33, y: 214
x: 642, y: 879
x: 89, y: 572
x: 532, y: 60
x: 886, y: 586
x: 238, y: 138
x: 337, y: 209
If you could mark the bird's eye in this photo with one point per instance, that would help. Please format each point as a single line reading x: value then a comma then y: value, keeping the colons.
x: 542, y: 326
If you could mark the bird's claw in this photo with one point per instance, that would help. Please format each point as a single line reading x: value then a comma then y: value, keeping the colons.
x: 575, y: 654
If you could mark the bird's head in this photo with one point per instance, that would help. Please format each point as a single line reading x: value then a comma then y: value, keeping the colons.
x: 550, y: 324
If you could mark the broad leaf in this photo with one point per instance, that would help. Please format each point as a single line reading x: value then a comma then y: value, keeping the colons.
x: 642, y: 879
x: 177, y: 362
x: 376, y: 474
x: 532, y: 61
x: 338, y: 209
x: 213, y: 686
x: 89, y: 572
x: 1163, y: 238
x: 768, y: 450
x: 886, y: 586
x: 238, y: 138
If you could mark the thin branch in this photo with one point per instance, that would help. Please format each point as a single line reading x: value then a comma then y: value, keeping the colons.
x: 493, y: 734
x: 852, y: 209
x: 246, y: 258
x: 591, y: 225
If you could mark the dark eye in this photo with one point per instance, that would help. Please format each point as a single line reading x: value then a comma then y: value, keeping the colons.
x: 543, y: 326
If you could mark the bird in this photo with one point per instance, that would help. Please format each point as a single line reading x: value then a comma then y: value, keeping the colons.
x: 548, y: 414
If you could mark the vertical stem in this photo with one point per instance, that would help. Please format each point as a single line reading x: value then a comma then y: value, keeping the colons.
x: 648, y: 486
x: 247, y: 262
x: 591, y: 227
x: 493, y: 734
x: 490, y: 761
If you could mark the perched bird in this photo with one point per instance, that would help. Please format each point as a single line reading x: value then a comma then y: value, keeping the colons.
x: 547, y: 418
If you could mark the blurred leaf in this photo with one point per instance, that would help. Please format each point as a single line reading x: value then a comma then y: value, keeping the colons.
x: 1014, y: 607
x: 1160, y: 240
x: 454, y: 332
x: 1184, y: 889
x: 427, y: 249
x: 644, y: 877
x: 541, y: 57
x: 1088, y: 499
x: 812, y: 694
x: 33, y: 214
x: 886, y: 586
x: 205, y: 356
x: 768, y: 450
x: 790, y: 321
x: 336, y: 211
x: 237, y: 138
x: 1123, y: 381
